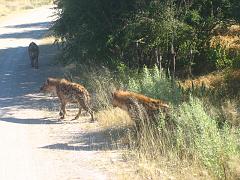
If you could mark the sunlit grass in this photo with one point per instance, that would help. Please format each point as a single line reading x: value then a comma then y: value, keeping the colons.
x: 196, y: 137
x: 10, y: 6
x: 114, y: 118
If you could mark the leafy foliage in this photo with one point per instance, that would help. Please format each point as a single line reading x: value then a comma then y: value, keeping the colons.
x: 189, y: 132
x: 198, y: 134
x: 174, y: 34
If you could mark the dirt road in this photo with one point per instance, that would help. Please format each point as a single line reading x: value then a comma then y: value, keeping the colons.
x: 34, y: 144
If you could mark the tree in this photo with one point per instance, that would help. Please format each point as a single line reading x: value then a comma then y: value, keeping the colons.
x: 175, y: 34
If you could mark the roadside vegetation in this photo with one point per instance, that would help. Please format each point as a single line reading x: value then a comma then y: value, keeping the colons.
x: 10, y: 6
x: 200, y: 133
x: 183, y: 52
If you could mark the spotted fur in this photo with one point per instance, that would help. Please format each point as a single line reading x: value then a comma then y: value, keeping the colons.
x: 138, y: 104
x: 68, y: 92
x: 123, y: 98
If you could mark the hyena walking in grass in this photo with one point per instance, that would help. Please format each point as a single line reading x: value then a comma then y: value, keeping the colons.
x: 123, y: 100
x: 68, y: 92
x: 33, y: 52
x: 138, y: 106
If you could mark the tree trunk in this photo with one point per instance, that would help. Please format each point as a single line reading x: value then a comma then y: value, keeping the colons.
x: 138, y: 54
x: 158, y: 58
x: 190, y: 64
x: 173, y: 57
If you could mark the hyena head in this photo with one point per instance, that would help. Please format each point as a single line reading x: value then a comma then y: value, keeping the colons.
x: 33, y: 50
x: 49, y: 86
x: 119, y: 101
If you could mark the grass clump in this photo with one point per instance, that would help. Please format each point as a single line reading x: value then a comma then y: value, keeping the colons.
x: 199, y: 137
x: 187, y: 136
x: 154, y: 83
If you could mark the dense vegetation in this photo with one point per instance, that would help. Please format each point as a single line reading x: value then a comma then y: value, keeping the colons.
x: 196, y: 132
x: 174, y: 34
x: 136, y: 45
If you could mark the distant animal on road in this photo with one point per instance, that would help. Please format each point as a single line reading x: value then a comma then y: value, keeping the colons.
x: 33, y: 51
x: 68, y: 92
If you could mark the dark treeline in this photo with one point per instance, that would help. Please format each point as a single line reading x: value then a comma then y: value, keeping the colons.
x: 174, y: 34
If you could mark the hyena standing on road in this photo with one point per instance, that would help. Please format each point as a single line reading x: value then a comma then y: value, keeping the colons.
x: 33, y: 52
x: 68, y: 92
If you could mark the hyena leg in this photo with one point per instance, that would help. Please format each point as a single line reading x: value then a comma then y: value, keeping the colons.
x: 32, y: 62
x: 79, y: 112
x: 87, y: 108
x: 36, y: 62
x: 31, y: 56
x: 62, y: 112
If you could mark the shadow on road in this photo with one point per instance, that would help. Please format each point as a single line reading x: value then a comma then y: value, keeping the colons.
x: 25, y: 35
x: 31, y: 25
x: 108, y: 139
x: 31, y: 121
x: 20, y: 84
x: 25, y: 31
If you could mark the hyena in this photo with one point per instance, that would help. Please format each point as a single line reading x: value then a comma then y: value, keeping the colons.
x: 123, y: 99
x: 33, y: 52
x: 137, y: 105
x: 68, y: 92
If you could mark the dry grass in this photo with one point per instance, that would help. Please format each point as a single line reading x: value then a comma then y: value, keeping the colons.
x: 228, y: 37
x: 224, y: 82
x: 231, y: 112
x: 114, y: 118
x: 168, y: 169
x: 152, y: 155
x: 227, y: 80
x: 10, y: 6
x: 233, y: 167
x: 118, y: 120
x: 140, y: 166
x: 210, y: 81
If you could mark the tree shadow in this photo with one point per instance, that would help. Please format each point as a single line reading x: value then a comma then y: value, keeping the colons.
x: 37, y: 34
x: 20, y: 85
x: 31, y: 25
x: 108, y: 139
x: 30, y: 121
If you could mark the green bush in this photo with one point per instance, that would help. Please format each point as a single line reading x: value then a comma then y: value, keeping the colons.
x: 236, y: 61
x: 188, y: 132
x: 198, y: 135
x: 223, y: 58
x: 154, y: 83
x: 138, y: 33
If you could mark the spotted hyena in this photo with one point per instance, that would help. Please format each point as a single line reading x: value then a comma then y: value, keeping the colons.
x: 33, y: 52
x: 123, y: 99
x: 68, y: 92
x: 137, y: 104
